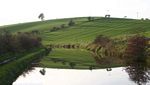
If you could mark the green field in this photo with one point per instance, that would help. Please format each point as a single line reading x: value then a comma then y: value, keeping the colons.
x: 83, y: 33
x: 81, y: 57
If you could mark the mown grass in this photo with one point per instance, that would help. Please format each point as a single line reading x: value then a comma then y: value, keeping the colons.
x: 81, y: 57
x: 83, y: 32
x: 86, y: 32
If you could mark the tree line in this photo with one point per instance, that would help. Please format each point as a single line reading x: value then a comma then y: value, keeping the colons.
x: 19, y: 42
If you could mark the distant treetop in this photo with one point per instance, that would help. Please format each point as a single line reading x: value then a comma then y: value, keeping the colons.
x: 41, y: 16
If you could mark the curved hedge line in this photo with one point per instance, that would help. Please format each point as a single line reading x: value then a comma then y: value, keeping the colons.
x: 10, y: 71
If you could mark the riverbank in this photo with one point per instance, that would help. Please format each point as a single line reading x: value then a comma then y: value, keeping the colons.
x: 10, y: 71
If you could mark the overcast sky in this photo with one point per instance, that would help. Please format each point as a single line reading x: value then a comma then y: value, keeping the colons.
x: 19, y: 11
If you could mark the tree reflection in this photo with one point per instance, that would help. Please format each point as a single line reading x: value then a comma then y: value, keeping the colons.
x: 136, y: 60
x: 27, y: 71
x: 43, y: 71
x: 138, y: 73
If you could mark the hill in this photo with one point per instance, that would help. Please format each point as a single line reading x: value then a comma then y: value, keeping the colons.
x: 84, y: 31
x: 58, y: 33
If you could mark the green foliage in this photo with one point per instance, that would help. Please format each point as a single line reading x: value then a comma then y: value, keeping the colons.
x: 71, y: 23
x: 10, y: 71
x: 57, y: 28
x: 136, y: 49
x: 20, y: 42
x: 101, y: 40
x: 135, y: 58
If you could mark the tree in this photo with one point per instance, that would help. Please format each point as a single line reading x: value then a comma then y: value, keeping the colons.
x: 41, y: 16
x: 15, y: 43
x: 135, y: 58
x: 125, y: 16
x: 107, y: 16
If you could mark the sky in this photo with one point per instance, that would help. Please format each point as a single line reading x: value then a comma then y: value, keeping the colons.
x: 19, y: 11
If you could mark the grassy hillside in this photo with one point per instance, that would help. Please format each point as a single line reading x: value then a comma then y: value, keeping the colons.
x: 84, y: 31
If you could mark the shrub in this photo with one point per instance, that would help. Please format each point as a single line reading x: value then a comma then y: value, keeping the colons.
x: 28, y: 41
x: 62, y: 26
x: 101, y: 40
x: 19, y: 42
x: 35, y: 32
x: 146, y: 19
x: 90, y: 18
x: 72, y: 64
x: 71, y: 23
x: 54, y: 29
x: 142, y: 18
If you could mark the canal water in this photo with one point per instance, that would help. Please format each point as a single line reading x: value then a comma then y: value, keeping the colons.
x: 50, y: 76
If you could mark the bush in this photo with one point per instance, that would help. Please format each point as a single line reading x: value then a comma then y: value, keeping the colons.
x: 28, y: 41
x: 57, y: 28
x: 90, y: 18
x: 35, y: 32
x: 146, y: 19
x: 142, y: 18
x: 62, y: 26
x: 71, y: 23
x: 54, y: 29
x: 101, y: 40
x: 20, y: 42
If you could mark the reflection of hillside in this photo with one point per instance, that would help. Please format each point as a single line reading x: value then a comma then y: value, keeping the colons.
x: 105, y: 51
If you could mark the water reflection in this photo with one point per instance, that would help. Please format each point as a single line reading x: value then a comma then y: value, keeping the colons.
x: 138, y: 75
x: 136, y: 60
x: 108, y: 69
x: 27, y: 71
x: 117, y: 76
x: 138, y: 72
x: 72, y: 65
x: 42, y: 71
x: 91, y: 67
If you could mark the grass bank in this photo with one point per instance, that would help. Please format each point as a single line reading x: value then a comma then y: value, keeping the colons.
x: 10, y: 71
